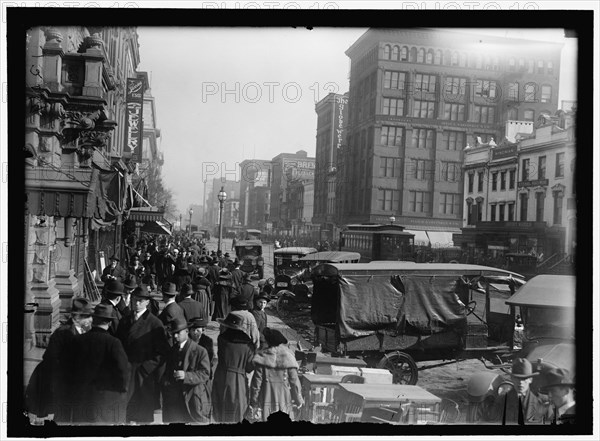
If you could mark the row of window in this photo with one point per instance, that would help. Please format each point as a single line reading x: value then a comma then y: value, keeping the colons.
x: 420, y: 169
x: 427, y: 109
x: 419, y: 202
x: 456, y: 86
x: 462, y: 59
x: 500, y: 212
x: 425, y: 138
x: 527, y: 167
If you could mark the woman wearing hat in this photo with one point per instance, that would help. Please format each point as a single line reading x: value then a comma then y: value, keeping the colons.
x: 186, y: 397
x: 275, y: 384
x: 222, y: 293
x: 230, y: 384
x: 201, y: 287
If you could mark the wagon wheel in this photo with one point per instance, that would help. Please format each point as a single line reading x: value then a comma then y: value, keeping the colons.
x: 402, y: 366
x: 286, y: 303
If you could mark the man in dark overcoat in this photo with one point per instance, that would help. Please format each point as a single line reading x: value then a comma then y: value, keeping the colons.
x: 171, y: 311
x: 113, y: 292
x: 197, y: 325
x: 145, y: 343
x: 186, y: 397
x: 101, y: 373
x: 248, y: 291
x: 49, y: 389
x: 191, y: 308
x: 237, y: 277
x: 113, y: 271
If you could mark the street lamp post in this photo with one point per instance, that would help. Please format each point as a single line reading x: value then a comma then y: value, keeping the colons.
x: 222, y: 196
x: 191, y: 212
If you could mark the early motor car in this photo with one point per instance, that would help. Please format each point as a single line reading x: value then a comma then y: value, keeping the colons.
x: 393, y: 314
x: 249, y: 253
x: 546, y: 304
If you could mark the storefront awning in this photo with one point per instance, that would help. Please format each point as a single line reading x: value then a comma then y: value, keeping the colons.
x: 440, y: 239
x: 155, y: 227
x: 420, y: 237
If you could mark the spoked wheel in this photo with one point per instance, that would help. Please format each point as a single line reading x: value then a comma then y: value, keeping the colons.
x: 402, y: 366
x: 286, y: 304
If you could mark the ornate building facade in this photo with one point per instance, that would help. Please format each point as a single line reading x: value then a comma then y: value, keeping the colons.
x: 77, y: 165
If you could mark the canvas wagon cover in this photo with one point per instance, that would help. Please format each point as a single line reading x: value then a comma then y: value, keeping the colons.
x: 413, y: 305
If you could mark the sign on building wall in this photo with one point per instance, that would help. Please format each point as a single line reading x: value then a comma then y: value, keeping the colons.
x: 135, y: 129
x: 340, y: 105
x: 504, y: 152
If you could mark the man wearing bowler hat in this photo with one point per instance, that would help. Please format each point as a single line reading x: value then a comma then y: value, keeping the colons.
x: 171, y: 311
x: 559, y: 387
x: 49, y: 388
x: 145, y: 343
x: 113, y: 271
x: 100, y: 374
x: 185, y: 392
x: 197, y: 325
x: 523, y: 406
x: 113, y: 293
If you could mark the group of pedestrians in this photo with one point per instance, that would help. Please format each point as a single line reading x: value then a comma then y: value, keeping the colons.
x: 119, y: 361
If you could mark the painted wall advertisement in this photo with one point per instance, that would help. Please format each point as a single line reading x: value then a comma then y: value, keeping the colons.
x: 135, y: 127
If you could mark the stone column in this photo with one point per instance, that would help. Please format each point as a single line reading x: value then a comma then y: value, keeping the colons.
x: 92, y: 85
x: 53, y: 55
x: 66, y: 278
x: 40, y: 277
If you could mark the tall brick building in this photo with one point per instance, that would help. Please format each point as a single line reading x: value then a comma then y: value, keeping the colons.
x: 417, y: 98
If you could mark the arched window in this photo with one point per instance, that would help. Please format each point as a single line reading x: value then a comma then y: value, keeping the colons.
x: 413, y: 54
x: 438, y: 57
x: 550, y: 68
x: 530, y: 92
x: 528, y: 114
x: 463, y: 59
x: 429, y: 57
x: 395, y: 50
x: 404, y: 54
x: 496, y: 63
x: 447, y: 58
x: 522, y: 64
x: 540, y: 67
x: 513, y: 113
x: 454, y: 59
x: 386, y: 52
x: 488, y: 63
x: 421, y: 56
x: 530, y: 66
x: 546, y: 95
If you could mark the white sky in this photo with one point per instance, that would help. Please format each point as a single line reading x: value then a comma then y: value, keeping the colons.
x: 192, y: 69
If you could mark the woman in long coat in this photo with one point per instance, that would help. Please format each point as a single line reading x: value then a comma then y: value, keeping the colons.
x: 222, y: 293
x: 230, y: 385
x: 275, y: 384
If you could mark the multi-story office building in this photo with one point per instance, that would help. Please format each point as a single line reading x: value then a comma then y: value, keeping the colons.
x: 255, y: 176
x: 300, y: 196
x: 331, y: 124
x: 521, y: 196
x: 230, y: 207
x: 417, y: 98
x: 286, y: 166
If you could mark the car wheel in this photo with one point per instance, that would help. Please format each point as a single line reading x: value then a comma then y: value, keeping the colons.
x: 402, y: 366
x: 285, y: 304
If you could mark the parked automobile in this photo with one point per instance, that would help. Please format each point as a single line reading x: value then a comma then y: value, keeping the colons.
x: 296, y: 292
x: 393, y: 314
x: 249, y: 253
x: 546, y: 304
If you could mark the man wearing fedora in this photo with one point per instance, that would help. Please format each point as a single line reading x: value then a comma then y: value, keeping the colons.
x: 145, y: 343
x: 523, y: 406
x: 191, y: 308
x: 113, y: 293
x: 171, y: 311
x: 184, y: 384
x: 100, y: 374
x: 49, y: 389
x: 248, y: 290
x: 113, y: 271
x: 197, y: 325
x: 237, y: 277
x: 559, y: 387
